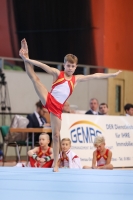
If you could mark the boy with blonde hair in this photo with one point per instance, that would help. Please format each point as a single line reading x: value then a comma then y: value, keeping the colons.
x: 67, y: 158
x: 101, y: 156
x: 64, y: 83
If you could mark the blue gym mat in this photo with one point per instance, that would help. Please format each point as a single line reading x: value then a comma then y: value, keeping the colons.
x: 67, y: 184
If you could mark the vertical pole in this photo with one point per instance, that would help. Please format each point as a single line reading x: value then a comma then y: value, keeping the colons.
x: 1, y: 64
x: 86, y: 70
x: 32, y: 140
x: 59, y: 67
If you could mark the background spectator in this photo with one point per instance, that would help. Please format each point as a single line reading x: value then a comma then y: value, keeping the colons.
x: 128, y: 109
x: 103, y: 109
x: 37, y: 119
x: 66, y: 108
x: 93, y: 107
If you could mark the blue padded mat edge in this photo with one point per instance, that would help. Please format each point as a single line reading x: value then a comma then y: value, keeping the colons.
x: 36, y: 183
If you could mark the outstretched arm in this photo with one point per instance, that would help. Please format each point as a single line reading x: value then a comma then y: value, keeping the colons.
x: 45, y: 67
x: 82, y: 78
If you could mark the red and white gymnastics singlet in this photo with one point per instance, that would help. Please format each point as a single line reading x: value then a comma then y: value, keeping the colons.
x: 61, y: 90
x: 101, y: 160
x: 40, y: 154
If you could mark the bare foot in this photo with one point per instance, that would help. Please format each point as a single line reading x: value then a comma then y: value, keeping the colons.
x: 55, y: 169
x: 24, y: 46
x: 22, y: 54
x: 86, y: 167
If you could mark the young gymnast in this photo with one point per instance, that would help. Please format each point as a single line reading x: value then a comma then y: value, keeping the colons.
x: 42, y: 156
x: 101, y: 156
x: 67, y: 158
x: 63, y: 85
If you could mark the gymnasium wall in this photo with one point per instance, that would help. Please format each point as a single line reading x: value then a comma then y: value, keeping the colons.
x: 112, y: 31
x: 23, y: 97
x: 8, y: 33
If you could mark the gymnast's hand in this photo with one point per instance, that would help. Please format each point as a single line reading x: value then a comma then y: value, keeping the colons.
x: 65, y: 155
x: 42, y: 160
x: 116, y: 73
